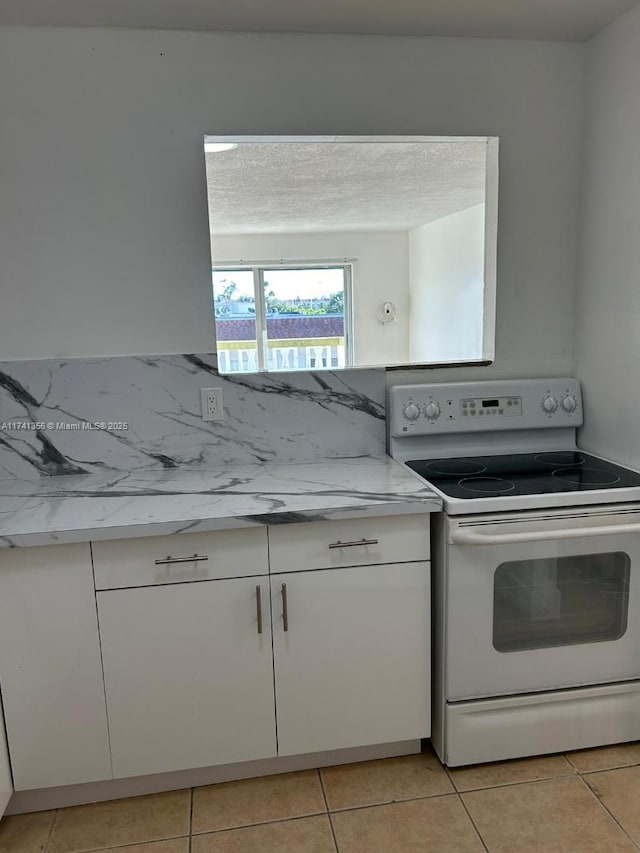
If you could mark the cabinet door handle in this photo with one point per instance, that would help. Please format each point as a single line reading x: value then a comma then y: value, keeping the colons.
x: 197, y: 558
x: 285, y: 608
x: 340, y: 544
x: 259, y: 608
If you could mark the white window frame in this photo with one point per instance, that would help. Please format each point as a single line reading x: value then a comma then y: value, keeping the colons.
x: 258, y: 269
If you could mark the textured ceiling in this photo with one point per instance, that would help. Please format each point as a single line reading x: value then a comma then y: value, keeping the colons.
x: 286, y: 187
x: 545, y: 19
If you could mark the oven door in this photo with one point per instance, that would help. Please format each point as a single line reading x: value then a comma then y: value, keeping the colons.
x: 540, y: 601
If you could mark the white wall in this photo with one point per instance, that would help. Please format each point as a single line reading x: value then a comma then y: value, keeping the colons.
x: 104, y: 244
x: 607, y: 354
x: 380, y: 273
x: 446, y: 287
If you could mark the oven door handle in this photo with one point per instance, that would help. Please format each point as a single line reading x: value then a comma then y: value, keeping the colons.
x: 474, y: 537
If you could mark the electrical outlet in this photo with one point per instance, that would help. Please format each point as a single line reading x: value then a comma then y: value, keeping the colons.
x: 211, y: 404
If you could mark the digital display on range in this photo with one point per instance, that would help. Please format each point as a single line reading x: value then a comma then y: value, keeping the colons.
x: 507, y: 407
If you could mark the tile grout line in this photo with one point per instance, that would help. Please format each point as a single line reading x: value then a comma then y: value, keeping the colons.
x: 190, y: 844
x: 565, y: 755
x: 465, y: 791
x: 464, y: 806
x: 380, y: 803
x: 608, y: 812
x: 513, y: 784
x: 51, y: 829
x: 603, y: 769
x: 572, y: 766
x: 573, y: 771
x: 570, y: 772
x: 326, y: 803
x: 606, y: 769
x: 473, y: 823
x: 128, y: 845
x: 252, y: 825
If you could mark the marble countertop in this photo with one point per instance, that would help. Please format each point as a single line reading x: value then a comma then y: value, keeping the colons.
x: 79, y: 508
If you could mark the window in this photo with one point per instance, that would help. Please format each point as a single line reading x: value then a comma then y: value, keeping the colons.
x: 419, y: 213
x: 282, y: 317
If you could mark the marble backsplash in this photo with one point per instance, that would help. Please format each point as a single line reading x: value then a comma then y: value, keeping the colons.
x: 68, y: 416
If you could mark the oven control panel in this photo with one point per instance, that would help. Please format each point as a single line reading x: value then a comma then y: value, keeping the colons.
x: 509, y: 407
x: 484, y: 406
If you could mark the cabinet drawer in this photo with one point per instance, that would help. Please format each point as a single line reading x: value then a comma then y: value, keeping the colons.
x: 353, y: 542
x: 180, y: 558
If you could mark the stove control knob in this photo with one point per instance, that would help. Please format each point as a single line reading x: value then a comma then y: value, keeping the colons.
x: 411, y: 412
x: 549, y: 404
x: 432, y: 411
x: 569, y: 403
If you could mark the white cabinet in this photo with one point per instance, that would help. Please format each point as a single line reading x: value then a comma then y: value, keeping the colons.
x: 188, y: 651
x: 352, y: 667
x: 50, y: 668
x: 188, y: 674
x: 189, y: 678
x: 6, y: 782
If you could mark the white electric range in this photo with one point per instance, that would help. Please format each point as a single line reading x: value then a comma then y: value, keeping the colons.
x: 536, y: 569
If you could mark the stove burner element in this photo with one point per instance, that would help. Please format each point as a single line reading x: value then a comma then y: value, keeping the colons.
x: 561, y: 457
x: 492, y: 485
x: 586, y: 476
x: 456, y: 467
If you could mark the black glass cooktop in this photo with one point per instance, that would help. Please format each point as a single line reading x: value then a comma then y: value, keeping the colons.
x: 523, y: 474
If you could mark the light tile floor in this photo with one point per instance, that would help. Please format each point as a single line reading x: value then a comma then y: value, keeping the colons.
x: 581, y: 802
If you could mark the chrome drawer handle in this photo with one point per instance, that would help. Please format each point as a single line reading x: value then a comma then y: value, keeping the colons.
x: 259, y: 608
x: 340, y: 544
x: 197, y: 558
x: 285, y: 609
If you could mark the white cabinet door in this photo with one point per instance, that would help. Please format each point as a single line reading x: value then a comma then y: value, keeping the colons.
x: 353, y: 666
x: 188, y: 676
x: 50, y: 667
x: 6, y: 782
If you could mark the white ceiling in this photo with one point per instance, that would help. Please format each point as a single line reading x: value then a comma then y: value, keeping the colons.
x: 294, y: 187
x: 531, y: 19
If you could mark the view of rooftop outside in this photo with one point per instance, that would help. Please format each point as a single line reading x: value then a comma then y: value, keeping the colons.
x: 297, y: 323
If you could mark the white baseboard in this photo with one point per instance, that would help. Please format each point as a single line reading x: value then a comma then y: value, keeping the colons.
x: 116, y: 789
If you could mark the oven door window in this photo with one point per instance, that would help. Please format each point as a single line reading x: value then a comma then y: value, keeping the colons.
x: 560, y: 601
